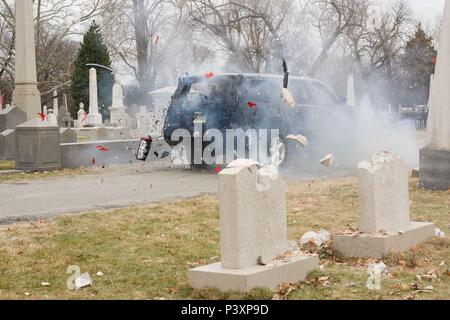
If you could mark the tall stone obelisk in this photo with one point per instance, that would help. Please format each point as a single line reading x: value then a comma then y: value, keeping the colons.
x: 435, y: 158
x: 26, y: 95
x: 94, y: 118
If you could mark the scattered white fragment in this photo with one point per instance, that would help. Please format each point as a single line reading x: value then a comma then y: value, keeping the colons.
x: 327, y: 161
x: 27, y: 294
x: 84, y: 280
x: 377, y: 268
x: 287, y: 98
x: 428, y: 288
x: 45, y: 284
x: 299, y: 138
x: 100, y: 274
x: 440, y: 234
x: 442, y: 264
x: 317, y: 238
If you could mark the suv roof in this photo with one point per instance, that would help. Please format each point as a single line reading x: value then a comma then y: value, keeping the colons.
x: 247, y: 75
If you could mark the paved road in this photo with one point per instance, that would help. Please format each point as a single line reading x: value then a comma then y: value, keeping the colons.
x: 110, y: 188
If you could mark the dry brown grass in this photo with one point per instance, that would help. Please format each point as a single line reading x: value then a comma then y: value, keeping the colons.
x: 145, y: 253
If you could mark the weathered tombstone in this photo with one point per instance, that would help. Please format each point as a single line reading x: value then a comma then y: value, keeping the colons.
x: 7, y: 145
x: 435, y: 158
x: 253, y: 235
x: 64, y: 118
x: 10, y: 117
x: 351, y: 95
x: 385, y: 224
x: 38, y: 146
x: 68, y: 135
x: 55, y: 103
x: 117, y: 110
x: 94, y: 118
x: 26, y: 94
x: 51, y: 117
x: 81, y: 116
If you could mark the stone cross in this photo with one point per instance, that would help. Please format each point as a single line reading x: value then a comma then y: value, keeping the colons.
x: 26, y: 94
x: 383, y: 194
x: 252, y: 223
x: 94, y: 117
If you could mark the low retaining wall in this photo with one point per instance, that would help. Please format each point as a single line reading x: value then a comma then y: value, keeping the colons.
x: 87, y: 154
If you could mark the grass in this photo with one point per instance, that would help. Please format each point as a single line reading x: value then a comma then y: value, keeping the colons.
x: 20, y: 176
x: 145, y: 252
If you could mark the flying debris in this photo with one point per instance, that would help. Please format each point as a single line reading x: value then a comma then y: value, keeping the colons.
x: 287, y: 98
x: 251, y: 105
x: 327, y: 161
x: 102, y: 149
x: 42, y: 116
x: 218, y: 169
x: 209, y: 75
x: 299, y: 138
x: 93, y: 161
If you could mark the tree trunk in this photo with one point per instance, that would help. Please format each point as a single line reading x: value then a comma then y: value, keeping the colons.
x: 142, y: 42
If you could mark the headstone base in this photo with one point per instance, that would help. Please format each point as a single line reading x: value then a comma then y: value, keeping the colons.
x: 435, y: 169
x: 379, y: 246
x: 296, y: 269
x: 8, y: 145
x: 94, y: 120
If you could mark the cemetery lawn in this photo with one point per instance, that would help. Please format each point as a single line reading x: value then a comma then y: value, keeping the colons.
x: 145, y: 252
x: 7, y: 173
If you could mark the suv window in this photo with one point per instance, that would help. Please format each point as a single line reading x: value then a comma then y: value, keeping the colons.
x: 322, y: 95
x: 301, y: 92
x: 264, y: 91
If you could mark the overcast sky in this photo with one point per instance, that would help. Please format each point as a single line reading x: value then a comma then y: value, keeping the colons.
x: 426, y: 10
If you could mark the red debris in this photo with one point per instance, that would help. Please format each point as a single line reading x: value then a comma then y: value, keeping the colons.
x: 434, y: 60
x: 217, y: 169
x: 103, y: 149
x: 157, y: 40
x: 251, y: 104
x: 85, y: 114
x: 94, y: 161
x: 1, y: 101
x: 41, y: 115
x: 209, y: 75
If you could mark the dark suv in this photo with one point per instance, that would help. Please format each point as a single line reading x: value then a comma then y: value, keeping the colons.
x: 253, y: 101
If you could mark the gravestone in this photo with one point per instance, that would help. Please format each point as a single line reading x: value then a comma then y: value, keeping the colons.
x: 26, y: 94
x: 7, y: 145
x: 94, y: 118
x: 81, y: 116
x: 64, y: 117
x: 10, y: 117
x: 68, y: 135
x: 385, y: 224
x: 435, y: 157
x: 117, y: 110
x: 253, y: 235
x: 351, y: 95
x: 38, y: 146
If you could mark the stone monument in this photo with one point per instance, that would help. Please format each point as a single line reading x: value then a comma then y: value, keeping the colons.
x: 26, y: 94
x: 38, y: 146
x: 253, y: 235
x: 351, y: 95
x: 64, y: 118
x: 435, y: 158
x: 94, y: 118
x: 118, y: 115
x: 385, y: 224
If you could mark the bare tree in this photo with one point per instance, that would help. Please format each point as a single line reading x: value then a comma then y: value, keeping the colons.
x: 331, y: 18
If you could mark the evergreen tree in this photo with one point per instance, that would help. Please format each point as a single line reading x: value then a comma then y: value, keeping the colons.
x: 93, y: 50
x: 418, y: 65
